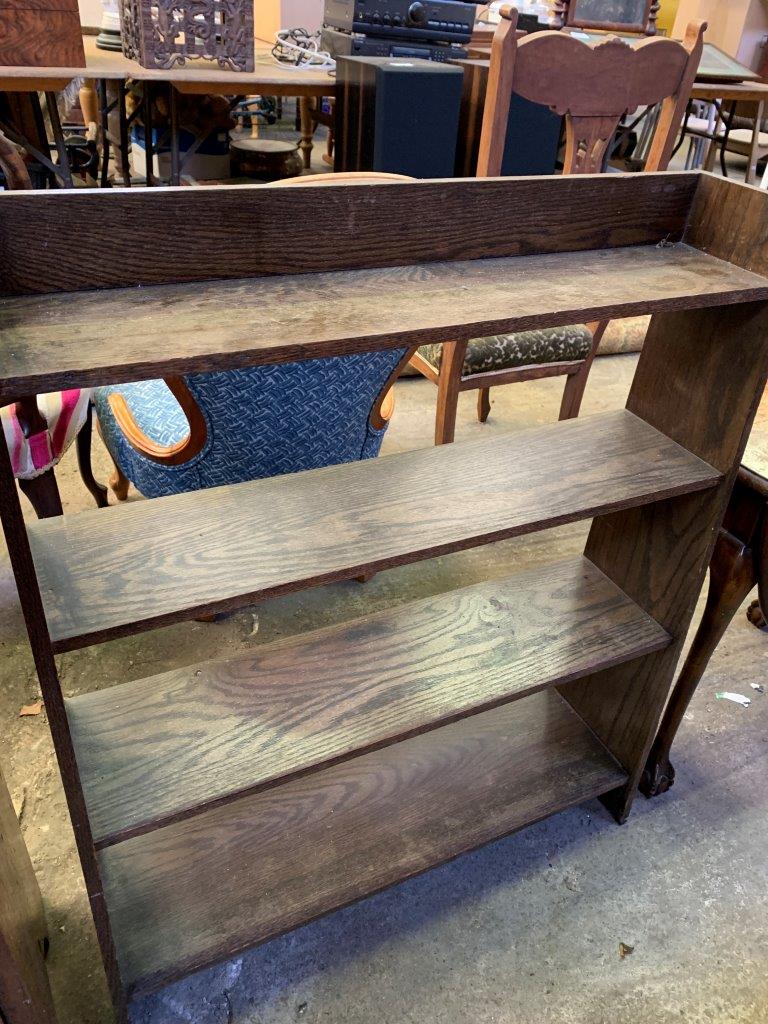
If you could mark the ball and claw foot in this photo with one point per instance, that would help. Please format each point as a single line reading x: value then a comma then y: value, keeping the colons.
x: 658, y: 777
x: 755, y: 615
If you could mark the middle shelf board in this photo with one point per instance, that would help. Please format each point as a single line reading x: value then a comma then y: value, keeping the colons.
x: 107, y: 572
x: 163, y: 748
x: 209, y: 887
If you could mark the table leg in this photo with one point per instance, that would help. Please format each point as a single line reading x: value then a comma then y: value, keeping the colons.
x: 125, y: 161
x: 58, y: 137
x: 149, y: 141
x: 104, y: 132
x: 726, y: 133
x: 754, y: 148
x: 305, y: 116
x: 89, y: 102
x: 174, y: 118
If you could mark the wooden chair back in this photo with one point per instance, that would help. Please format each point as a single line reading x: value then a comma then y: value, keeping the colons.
x: 593, y: 87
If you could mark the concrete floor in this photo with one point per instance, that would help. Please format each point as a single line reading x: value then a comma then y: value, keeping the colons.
x: 525, y: 931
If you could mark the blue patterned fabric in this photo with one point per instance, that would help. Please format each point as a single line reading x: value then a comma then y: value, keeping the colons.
x: 262, y: 421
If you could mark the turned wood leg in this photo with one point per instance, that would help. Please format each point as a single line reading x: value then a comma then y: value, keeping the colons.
x: 483, y: 403
x: 754, y: 148
x: 448, y: 384
x: 119, y: 484
x: 305, y: 120
x: 43, y: 494
x: 576, y: 383
x: 97, y: 490
x: 89, y: 102
x: 731, y: 577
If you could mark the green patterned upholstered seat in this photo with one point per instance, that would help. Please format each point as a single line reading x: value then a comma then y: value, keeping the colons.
x: 505, y: 351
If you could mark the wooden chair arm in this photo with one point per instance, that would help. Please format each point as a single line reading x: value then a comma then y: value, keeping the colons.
x: 166, y: 455
x: 384, y: 405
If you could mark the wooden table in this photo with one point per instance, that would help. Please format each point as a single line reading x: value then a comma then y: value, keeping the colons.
x: 109, y: 73
x: 733, y: 93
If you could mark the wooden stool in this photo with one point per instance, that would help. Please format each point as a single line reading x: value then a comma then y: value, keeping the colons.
x: 265, y: 159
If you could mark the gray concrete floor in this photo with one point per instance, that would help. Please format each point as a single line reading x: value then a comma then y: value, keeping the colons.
x: 525, y: 931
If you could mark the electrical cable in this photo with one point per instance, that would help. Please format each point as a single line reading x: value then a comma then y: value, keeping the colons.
x: 298, y: 49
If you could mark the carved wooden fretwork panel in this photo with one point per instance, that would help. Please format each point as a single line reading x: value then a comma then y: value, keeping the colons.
x: 165, y: 33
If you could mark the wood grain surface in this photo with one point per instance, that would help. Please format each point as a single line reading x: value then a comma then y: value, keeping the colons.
x: 106, y: 337
x: 38, y: 37
x: 166, y: 747
x: 700, y: 378
x: 106, y: 572
x: 730, y: 221
x: 25, y: 995
x: 211, y: 886
x: 160, y: 236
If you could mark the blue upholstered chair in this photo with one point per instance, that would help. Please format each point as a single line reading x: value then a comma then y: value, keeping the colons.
x: 182, y: 434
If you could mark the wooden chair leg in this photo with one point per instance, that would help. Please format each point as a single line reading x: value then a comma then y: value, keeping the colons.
x: 43, y: 494
x: 448, y: 383
x: 119, y: 484
x: 576, y: 383
x: 97, y: 490
x: 483, y: 404
x: 731, y: 577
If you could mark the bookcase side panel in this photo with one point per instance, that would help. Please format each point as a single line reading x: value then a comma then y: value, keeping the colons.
x: 699, y: 380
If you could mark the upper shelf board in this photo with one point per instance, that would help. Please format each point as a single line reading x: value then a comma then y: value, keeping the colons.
x: 81, y: 339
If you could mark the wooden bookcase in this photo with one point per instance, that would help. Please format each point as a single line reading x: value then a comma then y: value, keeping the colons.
x: 314, y: 771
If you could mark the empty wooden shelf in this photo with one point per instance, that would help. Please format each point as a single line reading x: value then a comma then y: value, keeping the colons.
x: 104, y: 573
x: 171, y: 745
x: 319, y: 843
x: 187, y: 328
x: 220, y: 805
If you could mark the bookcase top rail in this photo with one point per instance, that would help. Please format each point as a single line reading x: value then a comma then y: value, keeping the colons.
x: 161, y: 236
x: 107, y: 572
x: 112, y: 336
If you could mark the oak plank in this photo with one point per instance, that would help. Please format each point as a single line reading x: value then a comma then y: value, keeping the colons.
x: 700, y: 378
x: 25, y: 994
x: 79, y: 339
x: 107, y: 572
x: 211, y: 886
x: 141, y: 237
x: 730, y: 221
x: 160, y: 749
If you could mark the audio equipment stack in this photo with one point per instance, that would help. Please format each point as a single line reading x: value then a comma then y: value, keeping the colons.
x: 429, y: 29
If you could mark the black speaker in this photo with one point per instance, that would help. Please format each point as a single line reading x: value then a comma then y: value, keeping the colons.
x: 396, y: 115
x: 533, y: 131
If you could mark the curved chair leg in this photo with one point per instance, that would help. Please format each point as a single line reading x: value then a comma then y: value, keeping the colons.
x: 449, y: 381
x: 97, y: 490
x: 43, y: 494
x: 731, y: 577
x: 483, y: 404
x: 119, y: 484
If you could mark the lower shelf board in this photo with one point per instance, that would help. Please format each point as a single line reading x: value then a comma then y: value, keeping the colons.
x: 160, y: 749
x: 206, y: 888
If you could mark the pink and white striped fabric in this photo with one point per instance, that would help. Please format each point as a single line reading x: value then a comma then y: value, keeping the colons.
x: 65, y: 413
